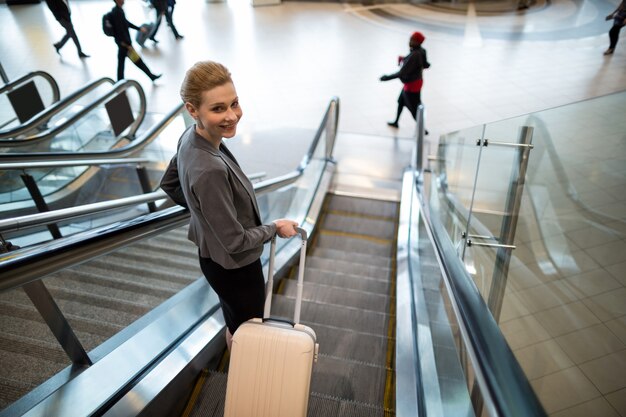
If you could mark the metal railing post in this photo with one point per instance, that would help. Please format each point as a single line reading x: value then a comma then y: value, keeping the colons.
x: 56, y: 321
x: 509, y: 223
x: 144, y: 181
x: 41, y: 204
x: 3, y: 74
x: 419, y: 154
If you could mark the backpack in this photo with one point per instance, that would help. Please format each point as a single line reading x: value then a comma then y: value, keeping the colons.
x: 107, y: 24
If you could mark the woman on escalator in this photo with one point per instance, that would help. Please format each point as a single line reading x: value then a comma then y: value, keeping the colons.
x: 225, y: 220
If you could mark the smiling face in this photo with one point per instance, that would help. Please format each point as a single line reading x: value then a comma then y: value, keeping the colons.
x: 218, y: 113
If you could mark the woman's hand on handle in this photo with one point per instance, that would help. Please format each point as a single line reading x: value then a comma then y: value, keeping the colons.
x: 285, y: 228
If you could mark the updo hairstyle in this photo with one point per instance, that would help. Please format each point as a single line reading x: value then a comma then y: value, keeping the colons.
x: 203, y: 76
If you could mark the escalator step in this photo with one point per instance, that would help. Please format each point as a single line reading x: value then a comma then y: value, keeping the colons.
x: 328, y: 240
x: 363, y: 206
x: 337, y: 279
x: 25, y: 320
x: 130, y: 270
x: 147, y: 287
x: 188, y: 252
x: 333, y: 315
x: 354, y: 224
x: 151, y: 258
x: 347, y: 267
x: 381, y: 261
x: 349, y: 380
x: 110, y: 289
x: 324, y: 405
x: 348, y: 344
x: 211, y: 400
x: 338, y: 296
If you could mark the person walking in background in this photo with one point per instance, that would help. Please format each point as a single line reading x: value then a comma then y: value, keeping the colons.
x: 225, y: 222
x: 162, y: 8
x: 619, y: 21
x: 122, y: 39
x: 411, y: 76
x: 61, y: 11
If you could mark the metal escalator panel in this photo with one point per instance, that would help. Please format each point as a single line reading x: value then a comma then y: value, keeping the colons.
x: 68, y: 125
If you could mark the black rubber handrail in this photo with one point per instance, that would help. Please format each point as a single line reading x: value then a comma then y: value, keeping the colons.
x: 50, y: 133
x: 503, y: 384
x: 56, y: 95
x: 7, y: 135
x: 138, y: 143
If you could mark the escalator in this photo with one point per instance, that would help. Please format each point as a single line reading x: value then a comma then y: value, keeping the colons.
x: 349, y: 300
x: 111, y: 286
x: 389, y: 342
x: 78, y: 127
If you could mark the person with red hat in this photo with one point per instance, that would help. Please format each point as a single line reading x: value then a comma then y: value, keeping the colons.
x: 411, y: 76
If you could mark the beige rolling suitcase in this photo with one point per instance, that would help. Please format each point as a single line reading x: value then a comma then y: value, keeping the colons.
x: 271, y: 360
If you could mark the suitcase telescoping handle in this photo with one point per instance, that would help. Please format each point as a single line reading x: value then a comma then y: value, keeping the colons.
x: 270, y: 276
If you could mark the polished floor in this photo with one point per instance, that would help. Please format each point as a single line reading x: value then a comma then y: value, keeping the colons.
x: 289, y: 60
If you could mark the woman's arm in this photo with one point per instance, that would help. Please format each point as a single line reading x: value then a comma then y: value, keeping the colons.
x: 217, y: 205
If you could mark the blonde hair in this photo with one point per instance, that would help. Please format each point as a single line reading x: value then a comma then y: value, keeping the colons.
x: 203, y: 76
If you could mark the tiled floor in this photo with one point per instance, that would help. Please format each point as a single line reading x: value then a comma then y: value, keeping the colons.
x: 566, y: 319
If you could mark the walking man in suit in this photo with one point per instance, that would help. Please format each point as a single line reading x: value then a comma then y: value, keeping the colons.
x: 61, y: 11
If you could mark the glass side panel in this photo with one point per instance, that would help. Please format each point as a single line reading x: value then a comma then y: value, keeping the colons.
x: 563, y: 292
x: 457, y: 161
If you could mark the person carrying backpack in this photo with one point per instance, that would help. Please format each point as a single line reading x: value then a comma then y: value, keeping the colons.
x: 115, y: 22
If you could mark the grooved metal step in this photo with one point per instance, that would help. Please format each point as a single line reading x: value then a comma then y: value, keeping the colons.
x: 355, y: 224
x: 338, y: 279
x: 374, y: 260
x: 338, y: 296
x: 349, y: 380
x: 334, y: 315
x: 348, y: 267
x: 363, y: 206
x: 144, y: 287
x: 163, y: 277
x: 354, y: 245
x: 349, y: 344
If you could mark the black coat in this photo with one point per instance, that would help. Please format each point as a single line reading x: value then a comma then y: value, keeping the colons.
x: 121, y: 25
x: 412, y: 66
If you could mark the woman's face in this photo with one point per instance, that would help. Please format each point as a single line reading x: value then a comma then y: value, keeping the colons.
x: 218, y: 114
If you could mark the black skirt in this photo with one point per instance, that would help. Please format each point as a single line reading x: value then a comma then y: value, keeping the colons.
x: 241, y: 291
x: 410, y: 101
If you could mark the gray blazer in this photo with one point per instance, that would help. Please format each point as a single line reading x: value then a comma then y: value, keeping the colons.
x: 225, y: 221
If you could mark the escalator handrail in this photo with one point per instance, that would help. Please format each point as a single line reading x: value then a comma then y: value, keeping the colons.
x: 57, y: 107
x: 503, y: 384
x: 48, y: 134
x: 32, y: 264
x: 137, y: 143
x: 71, y: 213
x: 26, y: 165
x: 56, y: 95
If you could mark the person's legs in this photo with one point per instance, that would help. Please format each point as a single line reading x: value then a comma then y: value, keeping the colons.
x: 62, y: 42
x: 613, y: 38
x: 401, y: 105
x: 121, y: 57
x: 157, y: 23
x: 241, y: 291
x: 136, y: 59
x: 170, y: 22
